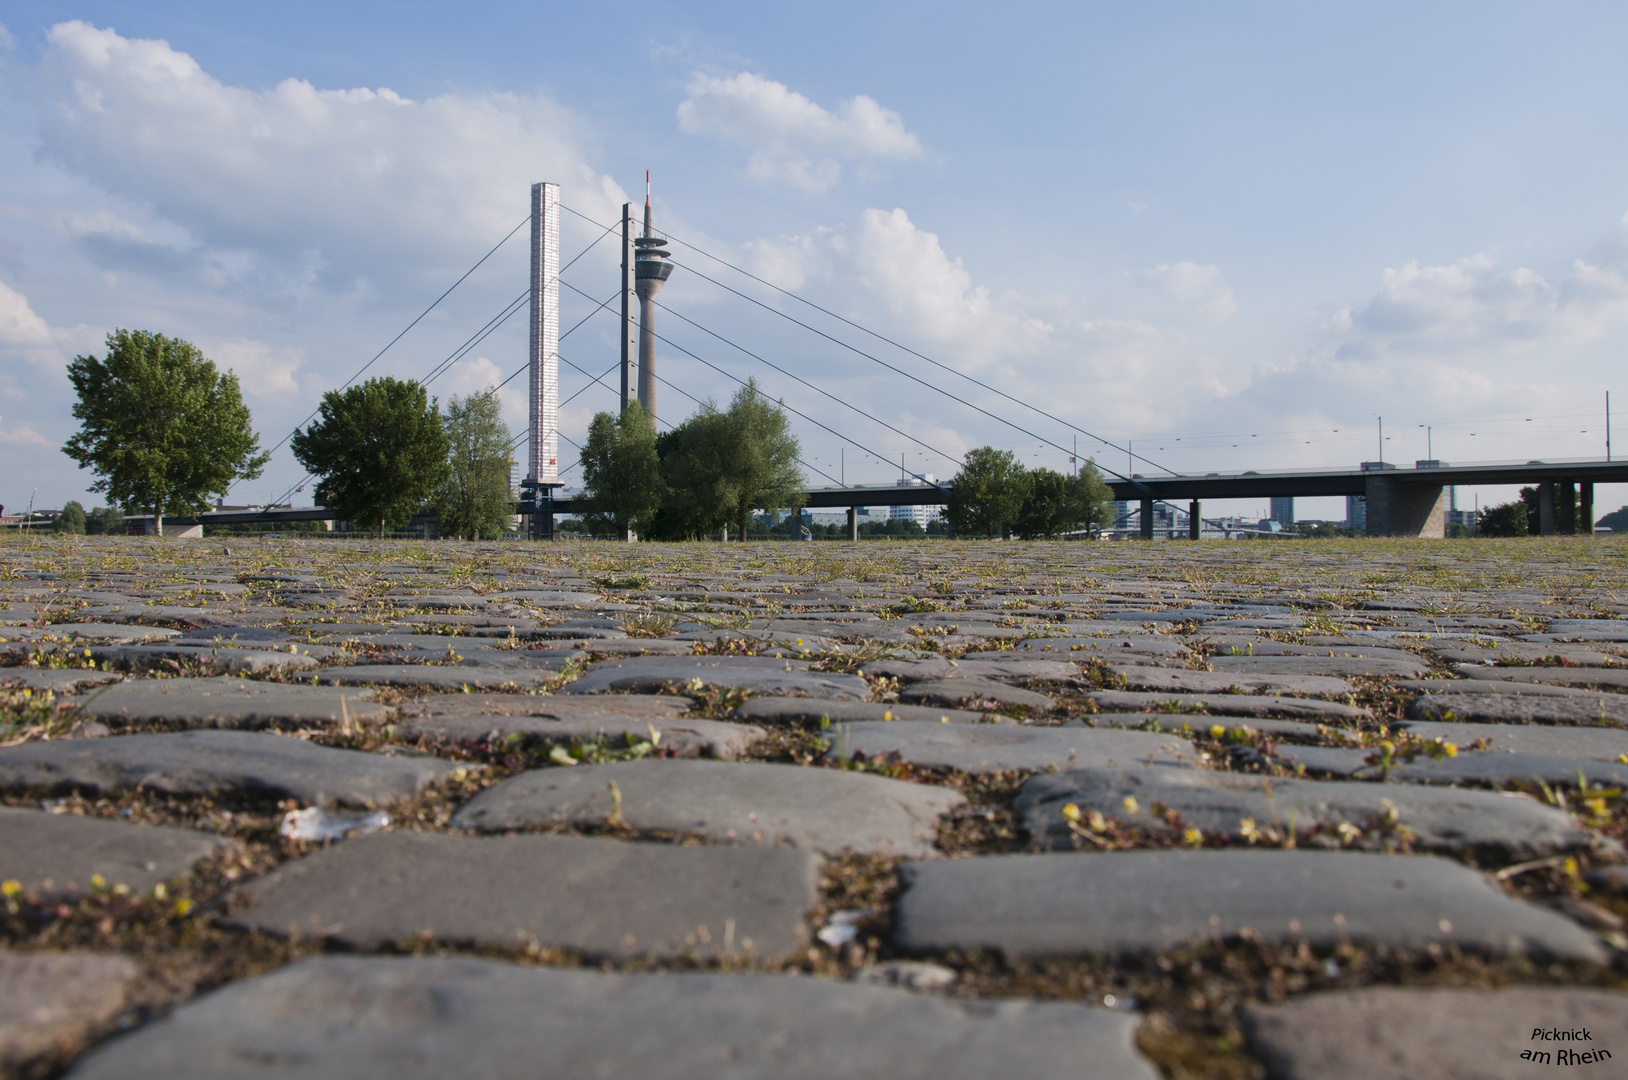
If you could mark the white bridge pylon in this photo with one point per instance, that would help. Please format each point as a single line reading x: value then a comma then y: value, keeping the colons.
x: 542, y: 466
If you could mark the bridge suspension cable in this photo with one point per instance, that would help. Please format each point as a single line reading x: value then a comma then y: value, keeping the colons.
x: 409, y: 326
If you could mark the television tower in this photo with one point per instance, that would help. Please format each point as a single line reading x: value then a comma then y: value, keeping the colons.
x: 652, y: 266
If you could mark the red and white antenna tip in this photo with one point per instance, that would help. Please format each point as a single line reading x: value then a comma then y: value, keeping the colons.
x: 647, y: 187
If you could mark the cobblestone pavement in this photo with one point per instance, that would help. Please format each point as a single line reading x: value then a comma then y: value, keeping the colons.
x: 279, y: 808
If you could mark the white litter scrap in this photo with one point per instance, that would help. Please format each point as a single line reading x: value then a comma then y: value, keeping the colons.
x: 842, y: 928
x: 315, y: 823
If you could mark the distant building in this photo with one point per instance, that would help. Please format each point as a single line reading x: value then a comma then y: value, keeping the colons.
x: 1283, y: 511
x: 921, y: 515
x: 1356, y: 512
x: 1467, y: 518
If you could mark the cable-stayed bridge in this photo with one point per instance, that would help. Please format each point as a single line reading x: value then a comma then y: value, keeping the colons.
x: 1400, y: 501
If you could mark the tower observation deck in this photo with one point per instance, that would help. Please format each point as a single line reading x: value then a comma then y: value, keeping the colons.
x: 652, y: 266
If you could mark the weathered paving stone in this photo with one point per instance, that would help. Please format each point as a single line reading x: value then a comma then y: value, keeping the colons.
x: 1466, y: 767
x: 985, y: 747
x: 813, y: 711
x: 547, y: 598
x: 827, y: 810
x: 1338, y: 666
x: 1129, y: 902
x: 974, y: 693
x: 1224, y: 704
x: 436, y: 676
x: 1231, y: 647
x: 58, y: 854
x: 1520, y: 652
x: 1179, y: 681
x: 112, y: 631
x: 1615, y: 678
x: 602, y: 898
x: 213, y: 762
x: 641, y: 647
x: 1218, y: 802
x: 426, y: 1018
x: 222, y: 661
x: 1453, y: 1034
x: 1485, y: 686
x: 1176, y: 722
x: 56, y: 680
x: 226, y: 702
x: 554, y: 706
x: 652, y: 674
x: 1141, y: 647
x: 393, y: 642
x: 685, y: 738
x: 1581, y: 708
x: 51, y: 1003
x: 242, y: 635
x: 915, y: 670
x: 1591, y: 744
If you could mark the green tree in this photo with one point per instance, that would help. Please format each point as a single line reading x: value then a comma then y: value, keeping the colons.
x: 72, y: 519
x: 104, y: 521
x: 1616, y: 520
x: 1044, y: 511
x: 761, y: 470
x: 475, y: 502
x: 1509, y: 519
x: 621, y: 473
x: 1090, y: 499
x: 161, y: 428
x: 987, y: 494
x: 717, y: 467
x: 1054, y: 504
x: 696, y: 498
x: 380, y: 450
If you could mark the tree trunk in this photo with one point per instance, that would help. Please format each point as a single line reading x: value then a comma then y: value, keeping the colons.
x: 746, y: 515
x: 158, y: 520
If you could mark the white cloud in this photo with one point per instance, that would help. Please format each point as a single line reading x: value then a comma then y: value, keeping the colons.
x: 364, y: 177
x: 1471, y: 303
x: 22, y: 435
x: 264, y: 370
x: 890, y: 272
x: 20, y: 328
x: 1195, y: 286
x: 794, y: 140
x: 471, y: 376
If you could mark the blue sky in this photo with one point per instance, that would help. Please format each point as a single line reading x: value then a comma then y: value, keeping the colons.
x: 1252, y: 228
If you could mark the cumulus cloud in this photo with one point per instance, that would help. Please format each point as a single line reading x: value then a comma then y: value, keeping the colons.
x: 1195, y: 286
x: 265, y: 371
x: 20, y: 328
x: 792, y: 139
x: 1473, y: 303
x: 21, y: 435
x: 364, y: 176
x: 887, y: 267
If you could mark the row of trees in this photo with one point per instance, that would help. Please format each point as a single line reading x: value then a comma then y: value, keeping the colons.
x: 707, y: 474
x: 994, y: 495
x: 383, y: 451
x: 76, y: 521
x: 165, y: 432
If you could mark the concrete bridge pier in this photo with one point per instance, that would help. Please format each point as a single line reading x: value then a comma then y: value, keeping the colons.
x: 1585, y: 507
x: 1195, y: 526
x: 1546, y: 508
x: 1398, y: 507
x: 1566, y: 508
x: 853, y: 524
x: 1147, y: 519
